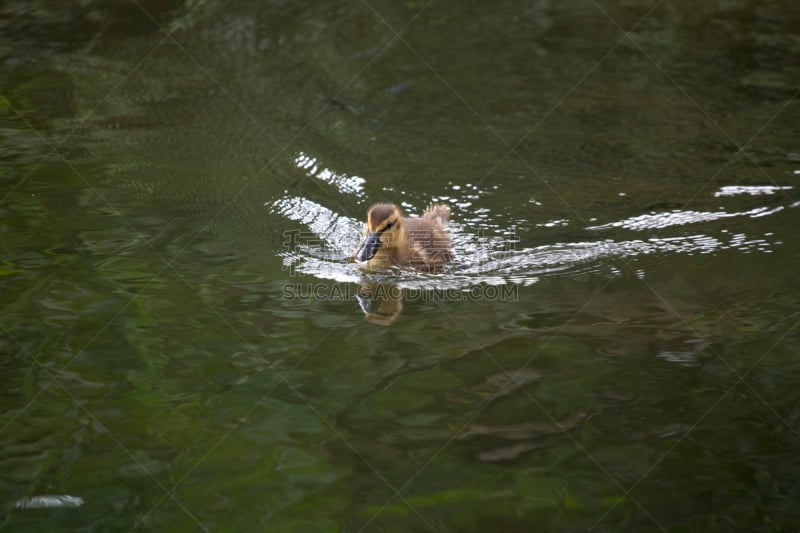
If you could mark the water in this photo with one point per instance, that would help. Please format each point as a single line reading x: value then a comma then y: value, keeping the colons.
x: 187, y: 344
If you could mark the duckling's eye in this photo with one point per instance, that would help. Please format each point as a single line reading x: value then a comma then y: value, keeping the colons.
x: 389, y: 225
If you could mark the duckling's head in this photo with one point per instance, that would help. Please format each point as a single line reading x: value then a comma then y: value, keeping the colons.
x: 384, y: 230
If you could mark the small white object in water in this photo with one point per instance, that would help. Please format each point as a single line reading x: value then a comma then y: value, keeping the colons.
x: 49, y: 502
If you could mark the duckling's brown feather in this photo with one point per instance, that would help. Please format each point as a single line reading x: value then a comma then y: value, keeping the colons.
x: 378, y: 214
x: 429, y: 241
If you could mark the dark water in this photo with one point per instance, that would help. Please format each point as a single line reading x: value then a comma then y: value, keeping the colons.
x: 185, y: 345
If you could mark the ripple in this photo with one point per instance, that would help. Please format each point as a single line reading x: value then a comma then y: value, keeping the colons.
x: 681, y: 218
x: 338, y: 232
x: 344, y: 183
x: 752, y: 190
x: 324, y: 246
x: 486, y: 244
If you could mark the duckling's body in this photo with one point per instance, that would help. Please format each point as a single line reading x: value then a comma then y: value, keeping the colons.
x: 395, y: 241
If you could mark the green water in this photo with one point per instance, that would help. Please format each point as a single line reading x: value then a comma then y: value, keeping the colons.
x: 182, y: 342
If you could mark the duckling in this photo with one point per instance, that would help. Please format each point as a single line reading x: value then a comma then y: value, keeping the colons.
x: 395, y: 241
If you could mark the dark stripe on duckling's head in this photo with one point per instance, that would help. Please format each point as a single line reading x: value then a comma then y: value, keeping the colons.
x: 382, y: 216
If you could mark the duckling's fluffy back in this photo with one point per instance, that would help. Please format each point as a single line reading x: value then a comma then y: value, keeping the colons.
x: 431, y: 241
x: 437, y: 212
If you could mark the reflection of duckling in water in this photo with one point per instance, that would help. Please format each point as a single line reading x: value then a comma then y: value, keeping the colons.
x: 392, y: 240
x: 382, y: 304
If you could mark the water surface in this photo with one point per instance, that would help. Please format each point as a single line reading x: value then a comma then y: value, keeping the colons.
x: 187, y: 345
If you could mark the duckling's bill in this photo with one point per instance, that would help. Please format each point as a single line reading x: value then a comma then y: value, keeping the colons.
x: 370, y: 247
